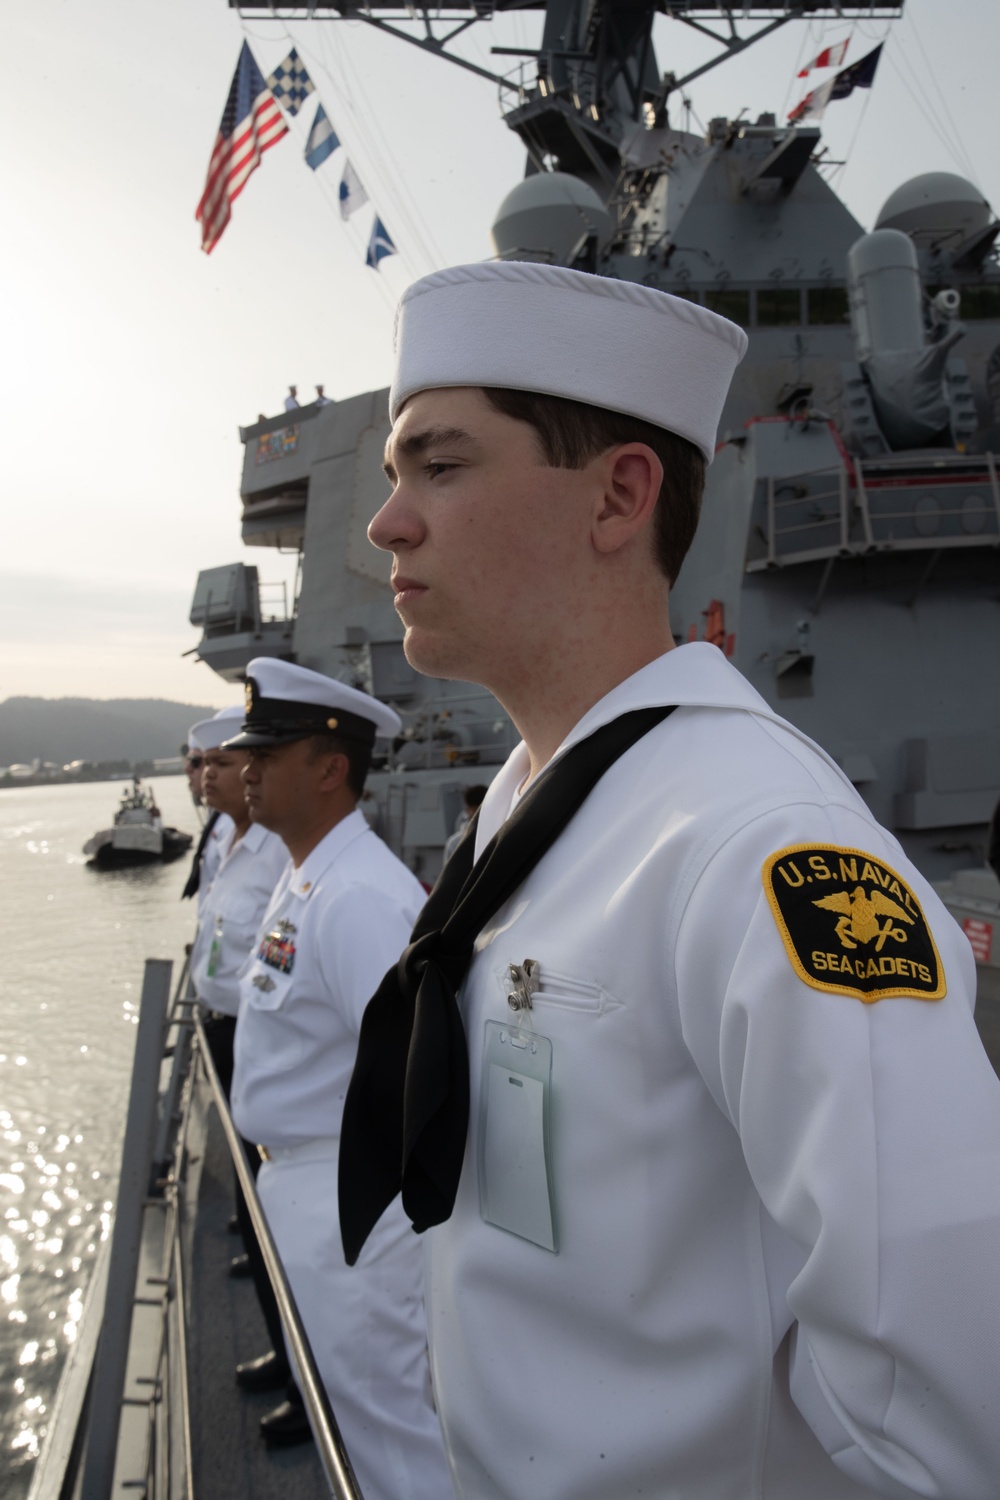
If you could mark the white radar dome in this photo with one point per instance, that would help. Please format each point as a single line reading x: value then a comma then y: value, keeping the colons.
x: 546, y: 217
x: 938, y: 203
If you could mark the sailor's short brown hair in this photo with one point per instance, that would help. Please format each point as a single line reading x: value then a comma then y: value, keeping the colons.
x: 571, y: 433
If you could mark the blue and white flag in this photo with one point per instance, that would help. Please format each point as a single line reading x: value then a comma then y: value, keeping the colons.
x: 322, y: 140
x: 379, y: 245
x: 352, y: 193
x: 290, y: 83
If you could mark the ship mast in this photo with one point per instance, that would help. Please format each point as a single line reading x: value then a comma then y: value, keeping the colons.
x: 595, y: 72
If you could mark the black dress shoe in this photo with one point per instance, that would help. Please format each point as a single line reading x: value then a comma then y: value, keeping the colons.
x: 267, y: 1373
x: 239, y: 1267
x: 285, y: 1425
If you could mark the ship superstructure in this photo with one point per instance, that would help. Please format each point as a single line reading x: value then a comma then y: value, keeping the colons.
x: 848, y: 557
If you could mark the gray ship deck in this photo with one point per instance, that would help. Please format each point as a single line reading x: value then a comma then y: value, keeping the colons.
x: 225, y: 1326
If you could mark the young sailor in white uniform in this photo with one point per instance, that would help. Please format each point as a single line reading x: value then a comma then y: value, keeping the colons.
x: 218, y: 825
x: 250, y: 862
x: 728, y: 1219
x: 231, y: 908
x: 339, y: 917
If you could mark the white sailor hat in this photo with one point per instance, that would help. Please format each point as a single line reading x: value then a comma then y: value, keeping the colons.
x: 613, y: 344
x: 286, y: 703
x: 209, y: 734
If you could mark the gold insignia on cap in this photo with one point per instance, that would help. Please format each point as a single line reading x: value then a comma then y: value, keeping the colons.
x: 332, y: 723
x: 851, y: 924
x: 248, y: 697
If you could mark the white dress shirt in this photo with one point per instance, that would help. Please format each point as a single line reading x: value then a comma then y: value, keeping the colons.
x: 332, y: 929
x: 777, y: 1208
x: 344, y: 916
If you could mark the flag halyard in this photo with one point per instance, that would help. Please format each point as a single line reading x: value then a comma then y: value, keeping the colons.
x: 251, y: 124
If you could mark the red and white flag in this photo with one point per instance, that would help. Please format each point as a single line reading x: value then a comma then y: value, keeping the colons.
x: 830, y: 57
x: 814, y: 103
x: 860, y: 75
x: 251, y: 124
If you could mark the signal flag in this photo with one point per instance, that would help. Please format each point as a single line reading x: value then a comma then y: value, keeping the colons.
x: 830, y: 57
x: 859, y: 75
x: 379, y: 244
x: 323, y: 140
x: 352, y: 192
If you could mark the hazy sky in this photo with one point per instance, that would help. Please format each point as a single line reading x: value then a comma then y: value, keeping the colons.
x: 130, y: 358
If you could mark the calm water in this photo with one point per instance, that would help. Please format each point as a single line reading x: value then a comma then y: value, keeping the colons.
x: 73, y: 955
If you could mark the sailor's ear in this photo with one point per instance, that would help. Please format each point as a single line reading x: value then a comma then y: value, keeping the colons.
x: 334, y: 771
x: 632, y: 476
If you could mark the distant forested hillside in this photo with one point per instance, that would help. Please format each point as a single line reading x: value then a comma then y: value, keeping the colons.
x: 67, y: 729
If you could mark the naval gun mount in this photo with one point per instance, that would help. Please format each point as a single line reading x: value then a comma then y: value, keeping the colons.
x: 848, y: 555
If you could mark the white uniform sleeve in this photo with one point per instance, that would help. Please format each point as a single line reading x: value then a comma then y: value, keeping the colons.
x: 872, y: 1135
x: 365, y: 931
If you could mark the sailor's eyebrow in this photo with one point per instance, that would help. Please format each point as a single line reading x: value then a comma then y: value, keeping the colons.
x: 431, y: 437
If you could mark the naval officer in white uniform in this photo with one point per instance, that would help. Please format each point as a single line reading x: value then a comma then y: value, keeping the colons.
x: 728, y: 1219
x: 341, y: 914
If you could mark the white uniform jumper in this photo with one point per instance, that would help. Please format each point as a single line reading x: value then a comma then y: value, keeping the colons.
x: 215, y: 847
x: 333, y: 928
x: 231, y: 908
x: 777, y: 1208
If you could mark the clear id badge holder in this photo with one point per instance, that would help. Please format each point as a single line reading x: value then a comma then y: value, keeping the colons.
x: 515, y: 1175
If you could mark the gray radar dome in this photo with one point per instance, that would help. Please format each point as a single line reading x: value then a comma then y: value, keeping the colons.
x: 547, y: 217
x: 939, y: 203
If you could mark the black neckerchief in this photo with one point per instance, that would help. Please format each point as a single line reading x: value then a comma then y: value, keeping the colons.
x: 406, y: 1115
x: 194, y: 879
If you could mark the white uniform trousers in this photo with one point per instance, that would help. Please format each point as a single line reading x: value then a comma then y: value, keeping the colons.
x: 365, y: 1324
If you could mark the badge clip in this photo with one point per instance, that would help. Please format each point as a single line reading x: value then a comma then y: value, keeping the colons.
x: 524, y: 978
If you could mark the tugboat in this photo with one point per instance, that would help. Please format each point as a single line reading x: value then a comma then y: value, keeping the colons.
x: 138, y: 836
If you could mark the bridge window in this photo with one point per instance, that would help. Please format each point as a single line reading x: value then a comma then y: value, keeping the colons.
x: 731, y: 304
x: 979, y: 302
x: 779, y: 307
x: 826, y: 305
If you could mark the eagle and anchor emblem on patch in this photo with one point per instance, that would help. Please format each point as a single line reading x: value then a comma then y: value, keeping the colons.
x: 851, y: 924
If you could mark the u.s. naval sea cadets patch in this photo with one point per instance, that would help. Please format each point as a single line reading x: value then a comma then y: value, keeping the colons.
x: 850, y: 924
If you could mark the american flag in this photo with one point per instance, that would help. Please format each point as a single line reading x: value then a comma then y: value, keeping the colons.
x: 251, y: 123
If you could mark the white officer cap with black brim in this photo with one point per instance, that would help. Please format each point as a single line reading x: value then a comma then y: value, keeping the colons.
x: 613, y: 344
x: 285, y: 703
x: 211, y: 734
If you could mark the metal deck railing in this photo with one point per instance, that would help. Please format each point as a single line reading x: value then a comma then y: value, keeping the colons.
x: 899, y: 503
x: 85, y: 1457
x: 332, y: 1451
